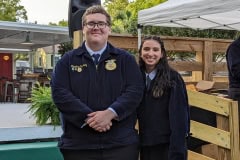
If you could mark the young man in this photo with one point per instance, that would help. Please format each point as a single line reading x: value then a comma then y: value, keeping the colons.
x: 97, y: 89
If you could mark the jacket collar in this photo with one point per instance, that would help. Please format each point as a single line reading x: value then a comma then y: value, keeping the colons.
x: 109, y: 50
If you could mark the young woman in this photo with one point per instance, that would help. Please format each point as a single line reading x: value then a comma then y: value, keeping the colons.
x: 164, y: 111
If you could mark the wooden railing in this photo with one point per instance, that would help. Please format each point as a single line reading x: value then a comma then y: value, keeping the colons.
x: 226, y: 135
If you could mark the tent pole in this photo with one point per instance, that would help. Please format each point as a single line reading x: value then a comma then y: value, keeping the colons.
x: 54, y: 54
x: 139, y: 28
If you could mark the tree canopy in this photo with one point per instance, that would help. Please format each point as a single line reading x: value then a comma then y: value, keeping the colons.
x: 11, y: 10
x: 124, y: 13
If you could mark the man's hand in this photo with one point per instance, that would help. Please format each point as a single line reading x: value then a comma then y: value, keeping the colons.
x: 100, y: 121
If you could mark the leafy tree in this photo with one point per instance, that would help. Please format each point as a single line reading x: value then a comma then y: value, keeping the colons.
x: 64, y: 47
x: 124, y: 13
x: 11, y: 10
x: 60, y: 23
x: 21, y: 56
x: 116, y: 8
x: 138, y: 5
x: 63, y: 23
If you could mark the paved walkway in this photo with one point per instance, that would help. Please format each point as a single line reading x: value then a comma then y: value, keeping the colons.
x: 15, y: 115
x: 18, y: 124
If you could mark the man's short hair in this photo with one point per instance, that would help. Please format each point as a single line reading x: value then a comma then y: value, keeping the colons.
x: 96, y: 9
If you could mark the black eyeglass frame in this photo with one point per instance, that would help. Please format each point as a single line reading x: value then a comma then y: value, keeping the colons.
x: 100, y: 25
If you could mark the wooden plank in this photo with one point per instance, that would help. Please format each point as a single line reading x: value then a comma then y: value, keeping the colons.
x: 210, y: 150
x: 217, y: 85
x: 219, y: 66
x: 209, y: 102
x: 234, y: 130
x: 220, y: 79
x: 128, y: 41
x: 223, y: 154
x: 221, y: 85
x: 124, y: 41
x: 188, y: 79
x: 183, y: 45
x: 184, y: 65
x: 196, y: 156
x: 210, y: 134
x: 220, y: 47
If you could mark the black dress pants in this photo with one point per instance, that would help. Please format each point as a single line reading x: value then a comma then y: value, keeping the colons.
x: 158, y: 152
x: 129, y: 152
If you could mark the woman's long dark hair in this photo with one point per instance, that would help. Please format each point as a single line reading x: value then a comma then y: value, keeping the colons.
x: 162, y: 79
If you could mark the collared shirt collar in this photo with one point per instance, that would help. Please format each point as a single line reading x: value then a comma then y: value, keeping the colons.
x: 151, y: 74
x: 109, y: 49
x: 91, y: 52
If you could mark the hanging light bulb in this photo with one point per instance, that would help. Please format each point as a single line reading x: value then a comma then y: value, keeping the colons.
x: 6, y: 58
x: 27, y: 40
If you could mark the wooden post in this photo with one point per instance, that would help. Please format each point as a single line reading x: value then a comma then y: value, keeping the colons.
x: 234, y: 129
x: 198, y: 75
x: 223, y: 123
x: 77, y: 38
x: 231, y: 125
x: 207, y: 62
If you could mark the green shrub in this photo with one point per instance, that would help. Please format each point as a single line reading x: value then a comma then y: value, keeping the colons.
x: 42, y: 106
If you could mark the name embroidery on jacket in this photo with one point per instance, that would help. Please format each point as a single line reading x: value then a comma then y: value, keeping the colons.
x: 78, y: 68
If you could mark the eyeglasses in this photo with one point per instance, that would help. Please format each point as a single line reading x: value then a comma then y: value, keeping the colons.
x: 100, y: 25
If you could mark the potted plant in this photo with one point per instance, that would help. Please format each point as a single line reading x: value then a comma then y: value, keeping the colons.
x: 42, y: 106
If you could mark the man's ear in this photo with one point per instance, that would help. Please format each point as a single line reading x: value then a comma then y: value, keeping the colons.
x: 84, y: 30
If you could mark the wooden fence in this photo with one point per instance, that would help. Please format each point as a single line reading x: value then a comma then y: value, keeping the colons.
x: 203, y: 68
x: 226, y: 135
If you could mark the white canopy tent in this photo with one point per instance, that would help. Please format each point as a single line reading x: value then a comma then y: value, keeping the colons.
x: 195, y: 14
x: 12, y: 34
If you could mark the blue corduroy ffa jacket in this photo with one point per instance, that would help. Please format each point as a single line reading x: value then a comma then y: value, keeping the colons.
x: 233, y: 63
x: 79, y: 88
x: 165, y: 120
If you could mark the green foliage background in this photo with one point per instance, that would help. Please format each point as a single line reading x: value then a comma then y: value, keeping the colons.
x: 11, y: 10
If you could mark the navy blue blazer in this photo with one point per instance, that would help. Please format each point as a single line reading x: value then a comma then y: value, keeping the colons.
x: 166, y: 119
x: 79, y: 88
x: 233, y: 63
